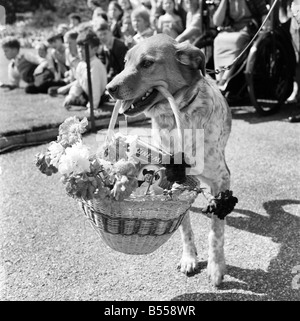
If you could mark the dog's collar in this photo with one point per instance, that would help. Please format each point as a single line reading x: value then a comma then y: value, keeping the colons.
x: 187, y: 100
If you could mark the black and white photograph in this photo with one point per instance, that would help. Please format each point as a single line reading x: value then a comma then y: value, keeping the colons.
x: 150, y: 153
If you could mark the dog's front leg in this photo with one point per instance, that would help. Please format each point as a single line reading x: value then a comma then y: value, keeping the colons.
x: 216, y: 266
x: 188, y: 261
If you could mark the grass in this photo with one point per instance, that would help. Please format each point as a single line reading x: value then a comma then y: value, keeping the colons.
x: 20, y: 112
x: 23, y: 113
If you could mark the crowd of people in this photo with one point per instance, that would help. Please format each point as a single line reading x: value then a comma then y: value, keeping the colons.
x: 59, y: 66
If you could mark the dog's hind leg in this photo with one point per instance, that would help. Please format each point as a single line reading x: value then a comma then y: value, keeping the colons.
x: 216, y: 267
x: 188, y: 262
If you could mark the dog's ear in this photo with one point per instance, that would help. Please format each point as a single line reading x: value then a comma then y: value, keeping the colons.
x: 191, y: 56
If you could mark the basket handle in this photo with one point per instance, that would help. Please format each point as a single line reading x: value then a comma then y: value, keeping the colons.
x: 113, y: 120
x: 174, y: 107
x: 175, y: 111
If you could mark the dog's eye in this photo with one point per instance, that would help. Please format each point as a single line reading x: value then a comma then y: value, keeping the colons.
x: 146, y: 63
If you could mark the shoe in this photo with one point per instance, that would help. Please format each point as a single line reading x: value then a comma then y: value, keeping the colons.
x: 52, y: 91
x: 294, y: 119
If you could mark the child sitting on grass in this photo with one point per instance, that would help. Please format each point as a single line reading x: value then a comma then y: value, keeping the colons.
x: 78, y: 94
x: 22, y: 65
x: 72, y: 61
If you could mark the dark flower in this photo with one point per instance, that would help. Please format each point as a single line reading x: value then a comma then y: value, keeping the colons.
x: 176, y: 172
x: 43, y: 164
x: 222, y: 204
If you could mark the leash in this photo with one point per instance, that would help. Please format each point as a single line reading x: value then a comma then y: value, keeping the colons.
x: 228, y: 67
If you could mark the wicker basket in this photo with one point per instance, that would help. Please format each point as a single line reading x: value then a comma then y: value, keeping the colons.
x: 137, y: 225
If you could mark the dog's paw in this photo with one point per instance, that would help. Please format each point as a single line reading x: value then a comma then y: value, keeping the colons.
x: 188, y: 263
x: 216, y: 272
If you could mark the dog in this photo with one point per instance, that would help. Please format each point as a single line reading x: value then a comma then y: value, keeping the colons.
x: 180, y: 69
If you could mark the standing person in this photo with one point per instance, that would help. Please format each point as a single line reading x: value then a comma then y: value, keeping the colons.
x: 170, y: 23
x: 115, y: 14
x: 126, y: 6
x: 193, y: 25
x: 78, y: 94
x: 295, y: 8
x: 237, y: 21
x: 99, y: 7
x: 112, y: 52
x: 127, y: 30
x: 140, y: 19
x: 22, y: 65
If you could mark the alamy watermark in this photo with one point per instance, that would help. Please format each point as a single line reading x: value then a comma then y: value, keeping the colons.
x: 191, y: 145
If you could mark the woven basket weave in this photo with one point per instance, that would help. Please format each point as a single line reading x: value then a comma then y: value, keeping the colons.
x: 138, y: 225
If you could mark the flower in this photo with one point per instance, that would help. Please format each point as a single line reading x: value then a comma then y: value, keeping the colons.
x: 176, y: 172
x: 43, y: 164
x: 70, y: 131
x: 222, y: 204
x: 55, y: 151
x: 75, y: 160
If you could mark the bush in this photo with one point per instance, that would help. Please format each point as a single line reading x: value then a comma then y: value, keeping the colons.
x: 43, y: 19
x: 65, y: 7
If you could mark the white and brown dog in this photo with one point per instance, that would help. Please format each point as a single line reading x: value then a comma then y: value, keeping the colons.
x: 160, y: 61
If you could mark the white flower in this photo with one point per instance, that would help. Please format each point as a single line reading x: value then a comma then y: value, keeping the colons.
x: 75, y: 160
x: 71, y: 129
x: 55, y: 150
x: 107, y: 166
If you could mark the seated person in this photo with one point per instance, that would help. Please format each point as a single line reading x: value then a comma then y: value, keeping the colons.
x: 112, y: 50
x: 42, y: 50
x: 234, y: 17
x: 140, y: 19
x: 22, y: 65
x: 56, y: 63
x: 170, y: 23
x: 58, y: 54
x: 79, y: 90
x: 72, y: 61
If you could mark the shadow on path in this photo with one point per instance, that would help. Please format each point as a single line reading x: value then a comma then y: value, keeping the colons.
x: 249, y: 114
x: 279, y: 282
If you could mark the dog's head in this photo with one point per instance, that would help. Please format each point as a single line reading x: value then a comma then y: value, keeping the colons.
x: 156, y: 61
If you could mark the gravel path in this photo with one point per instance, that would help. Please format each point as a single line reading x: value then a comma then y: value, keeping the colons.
x: 48, y: 251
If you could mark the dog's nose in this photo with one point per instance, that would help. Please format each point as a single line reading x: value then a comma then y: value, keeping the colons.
x: 113, y: 90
